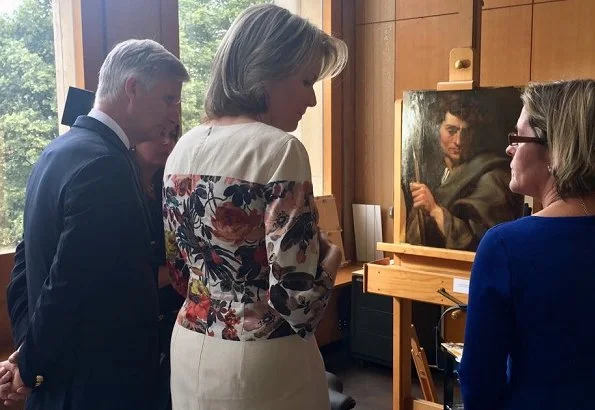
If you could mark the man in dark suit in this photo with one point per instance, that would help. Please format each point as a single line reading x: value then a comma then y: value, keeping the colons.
x: 89, y: 336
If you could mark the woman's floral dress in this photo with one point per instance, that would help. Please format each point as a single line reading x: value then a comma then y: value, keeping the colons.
x: 241, y: 233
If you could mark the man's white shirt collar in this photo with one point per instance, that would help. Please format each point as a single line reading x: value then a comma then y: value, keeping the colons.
x: 113, y: 125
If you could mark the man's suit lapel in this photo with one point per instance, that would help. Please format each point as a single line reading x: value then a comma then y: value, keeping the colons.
x: 112, y: 138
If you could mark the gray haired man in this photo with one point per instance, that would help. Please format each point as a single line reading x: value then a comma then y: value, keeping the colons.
x: 83, y: 294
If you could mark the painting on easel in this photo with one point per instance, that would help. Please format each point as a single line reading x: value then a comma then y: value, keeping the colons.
x: 454, y: 169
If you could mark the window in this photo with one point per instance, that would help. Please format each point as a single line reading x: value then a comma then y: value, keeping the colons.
x: 28, y: 120
x: 202, y: 26
x: 310, y: 128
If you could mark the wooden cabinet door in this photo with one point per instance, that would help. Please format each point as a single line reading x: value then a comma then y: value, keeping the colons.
x: 506, y: 46
x: 563, y: 40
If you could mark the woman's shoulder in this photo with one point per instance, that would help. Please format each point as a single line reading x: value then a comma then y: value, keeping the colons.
x: 533, y: 229
x: 516, y: 229
x: 286, y: 156
x: 268, y: 134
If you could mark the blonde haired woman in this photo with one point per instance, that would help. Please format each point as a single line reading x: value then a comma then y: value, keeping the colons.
x: 528, y: 340
x: 241, y: 226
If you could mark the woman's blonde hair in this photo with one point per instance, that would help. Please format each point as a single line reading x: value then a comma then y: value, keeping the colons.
x: 563, y: 113
x: 263, y: 44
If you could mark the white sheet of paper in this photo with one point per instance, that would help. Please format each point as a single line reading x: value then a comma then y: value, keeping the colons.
x: 460, y: 285
x: 367, y: 225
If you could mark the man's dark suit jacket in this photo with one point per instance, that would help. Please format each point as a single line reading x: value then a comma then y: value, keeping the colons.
x: 85, y: 307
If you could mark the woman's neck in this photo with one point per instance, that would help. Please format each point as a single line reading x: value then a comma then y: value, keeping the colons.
x: 550, y: 196
x: 576, y: 206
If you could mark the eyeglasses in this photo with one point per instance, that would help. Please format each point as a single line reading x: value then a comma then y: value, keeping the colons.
x: 515, y: 139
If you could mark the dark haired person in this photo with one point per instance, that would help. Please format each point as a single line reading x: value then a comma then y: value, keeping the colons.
x: 472, y: 194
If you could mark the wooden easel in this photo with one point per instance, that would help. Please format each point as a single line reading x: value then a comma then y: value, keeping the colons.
x: 461, y: 66
x: 419, y: 272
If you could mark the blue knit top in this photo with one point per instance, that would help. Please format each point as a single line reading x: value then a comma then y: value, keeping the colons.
x: 530, y: 333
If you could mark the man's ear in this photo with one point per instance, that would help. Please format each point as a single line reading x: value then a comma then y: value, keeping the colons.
x: 131, y: 88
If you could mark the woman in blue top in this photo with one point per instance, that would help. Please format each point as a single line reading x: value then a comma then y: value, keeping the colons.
x: 529, y: 335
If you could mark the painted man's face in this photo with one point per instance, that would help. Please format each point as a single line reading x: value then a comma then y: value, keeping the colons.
x: 455, y: 139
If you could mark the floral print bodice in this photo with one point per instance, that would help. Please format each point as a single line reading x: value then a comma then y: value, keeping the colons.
x: 245, y: 254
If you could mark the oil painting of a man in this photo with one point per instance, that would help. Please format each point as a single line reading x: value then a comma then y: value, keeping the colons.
x: 455, y: 173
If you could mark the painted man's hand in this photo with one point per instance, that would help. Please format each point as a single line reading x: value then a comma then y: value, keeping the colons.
x: 422, y: 197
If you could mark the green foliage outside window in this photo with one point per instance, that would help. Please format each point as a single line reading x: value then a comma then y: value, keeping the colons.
x: 28, y: 120
x: 202, y: 26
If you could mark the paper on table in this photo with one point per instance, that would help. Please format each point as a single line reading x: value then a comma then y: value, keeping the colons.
x: 455, y: 349
x: 367, y: 225
x: 460, y: 285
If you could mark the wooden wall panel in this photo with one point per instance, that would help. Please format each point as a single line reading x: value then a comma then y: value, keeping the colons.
x: 422, y: 50
x: 349, y: 154
x: 128, y: 20
x: 374, y: 121
x: 563, y: 40
x: 374, y: 11
x: 506, y: 46
x: 93, y: 47
x: 169, y: 35
x: 407, y: 9
x: 490, y: 4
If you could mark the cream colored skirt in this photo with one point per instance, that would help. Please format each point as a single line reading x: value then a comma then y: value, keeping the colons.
x: 208, y: 373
